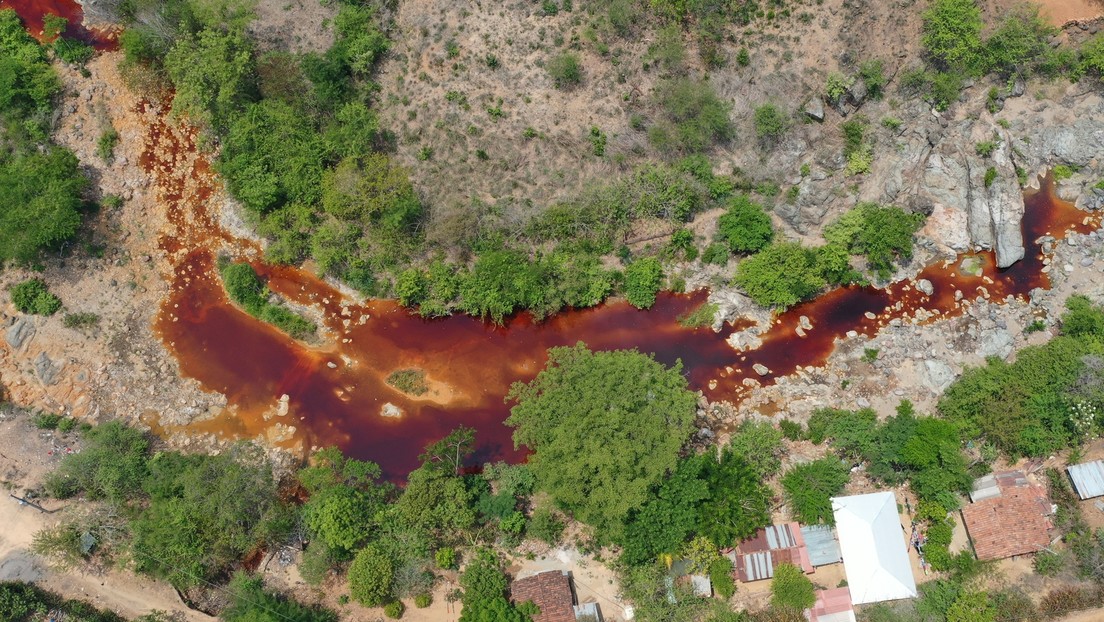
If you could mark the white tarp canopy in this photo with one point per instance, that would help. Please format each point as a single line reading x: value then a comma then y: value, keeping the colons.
x: 875, y: 555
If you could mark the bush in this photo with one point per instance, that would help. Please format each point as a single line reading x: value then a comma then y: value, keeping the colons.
x: 80, y: 320
x: 410, y: 381
x: 792, y: 430
x: 247, y: 290
x: 790, y: 588
x: 445, y: 558
x: 872, y: 74
x: 643, y: 279
x: 720, y: 575
x: 394, y: 609
x: 32, y: 296
x: 836, y: 86
x: 770, y: 123
x: 72, y: 51
x: 370, y: 577
x: 565, y: 69
x: 745, y: 226
x: 1048, y: 563
x: 882, y: 234
x: 423, y: 600
x: 546, y: 526
x: 693, y: 117
x: 952, y: 34
x: 990, y: 176
x: 46, y: 421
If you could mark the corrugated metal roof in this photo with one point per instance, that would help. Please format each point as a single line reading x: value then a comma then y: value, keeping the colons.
x: 1088, y: 479
x: 779, y: 537
x: 757, y: 566
x: 822, y: 544
x: 985, y: 488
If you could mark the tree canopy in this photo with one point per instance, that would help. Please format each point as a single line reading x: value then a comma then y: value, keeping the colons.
x: 604, y: 427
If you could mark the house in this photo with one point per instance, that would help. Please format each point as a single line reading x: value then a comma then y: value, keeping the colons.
x: 1087, y: 478
x: 872, y: 544
x: 1009, y: 516
x: 554, y: 593
x: 756, y: 558
x: 832, y: 606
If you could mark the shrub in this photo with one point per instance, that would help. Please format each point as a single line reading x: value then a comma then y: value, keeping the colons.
x: 565, y: 70
x: 47, y: 421
x: 700, y: 317
x: 394, y: 609
x: 693, y: 116
x: 245, y: 288
x: 836, y: 86
x: 1048, y: 563
x: 423, y: 600
x: 370, y: 577
x: 720, y: 575
x: 952, y: 34
x: 880, y: 233
x: 745, y: 226
x: 411, y: 381
x: 80, y: 320
x: 716, y: 253
x: 770, y: 123
x: 790, y: 588
x: 72, y: 51
x: 872, y: 73
x: 32, y: 296
x: 643, y: 279
x: 445, y: 558
x: 990, y: 176
x: 792, y: 430
x: 1063, y: 172
x: 546, y: 526
x: 985, y: 148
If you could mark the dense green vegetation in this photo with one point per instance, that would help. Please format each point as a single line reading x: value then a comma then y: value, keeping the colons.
x: 40, y: 184
x: 745, y: 227
x: 26, y: 602
x: 247, y: 290
x: 1046, y: 400
x: 881, y: 234
x: 604, y: 427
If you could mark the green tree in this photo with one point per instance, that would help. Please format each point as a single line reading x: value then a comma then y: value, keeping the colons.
x: 810, y: 486
x: 759, y: 444
x: 745, y: 226
x: 370, y: 577
x: 790, y: 588
x: 436, y: 502
x: 643, y: 278
x: 738, y: 504
x: 448, y: 454
x: 111, y: 466
x: 669, y: 516
x: 42, y: 194
x: 484, y: 584
x: 501, y: 282
x: 780, y: 275
x: 972, y: 607
x: 213, y: 73
x: 604, y: 427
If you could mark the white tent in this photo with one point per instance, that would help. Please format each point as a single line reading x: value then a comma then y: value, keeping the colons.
x: 875, y: 555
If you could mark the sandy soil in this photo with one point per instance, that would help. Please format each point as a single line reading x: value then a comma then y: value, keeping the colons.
x: 27, y: 455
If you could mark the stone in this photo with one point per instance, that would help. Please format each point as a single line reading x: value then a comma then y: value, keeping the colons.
x: 761, y: 369
x: 46, y: 369
x: 805, y: 323
x: 996, y: 342
x: 20, y: 332
x: 937, y: 375
x: 814, y: 109
x: 390, y: 410
x: 925, y: 286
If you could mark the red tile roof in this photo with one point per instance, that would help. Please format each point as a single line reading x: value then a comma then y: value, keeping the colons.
x: 831, y: 603
x: 1014, y: 523
x: 551, y: 591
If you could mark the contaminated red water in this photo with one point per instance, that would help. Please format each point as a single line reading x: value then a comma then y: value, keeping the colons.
x: 32, y: 13
x: 300, y: 396
x: 337, y: 394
